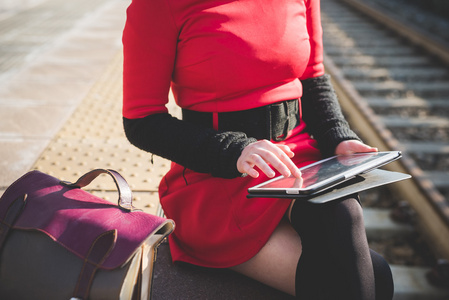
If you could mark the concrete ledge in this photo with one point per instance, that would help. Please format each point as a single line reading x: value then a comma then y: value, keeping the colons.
x: 184, y: 281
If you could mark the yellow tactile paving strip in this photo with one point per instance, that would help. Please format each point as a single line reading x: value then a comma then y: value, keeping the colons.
x: 93, y: 138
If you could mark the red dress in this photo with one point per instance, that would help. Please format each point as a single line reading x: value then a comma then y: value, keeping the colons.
x: 217, y: 56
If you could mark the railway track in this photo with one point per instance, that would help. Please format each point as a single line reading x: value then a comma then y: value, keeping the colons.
x: 393, y: 83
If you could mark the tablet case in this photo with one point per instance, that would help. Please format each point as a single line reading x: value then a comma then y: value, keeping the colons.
x: 359, y: 183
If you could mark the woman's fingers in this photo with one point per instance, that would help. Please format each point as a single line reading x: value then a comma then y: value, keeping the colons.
x: 281, y: 161
x: 353, y: 146
x: 248, y: 169
x: 267, y: 157
x: 258, y: 160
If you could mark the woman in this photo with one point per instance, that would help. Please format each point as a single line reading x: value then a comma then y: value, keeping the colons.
x: 250, y: 80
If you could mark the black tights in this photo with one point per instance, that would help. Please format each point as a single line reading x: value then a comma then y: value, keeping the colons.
x: 336, y: 262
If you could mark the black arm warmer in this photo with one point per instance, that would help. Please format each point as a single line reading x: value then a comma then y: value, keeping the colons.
x: 203, y: 150
x: 322, y: 113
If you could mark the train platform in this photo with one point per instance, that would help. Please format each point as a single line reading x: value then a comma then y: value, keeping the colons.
x: 60, y: 112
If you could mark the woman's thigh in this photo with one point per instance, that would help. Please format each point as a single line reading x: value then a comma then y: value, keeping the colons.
x: 275, y: 264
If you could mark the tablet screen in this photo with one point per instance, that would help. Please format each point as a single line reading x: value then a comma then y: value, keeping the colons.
x: 328, y: 171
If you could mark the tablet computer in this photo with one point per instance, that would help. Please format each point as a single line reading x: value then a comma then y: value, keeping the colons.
x: 325, y: 173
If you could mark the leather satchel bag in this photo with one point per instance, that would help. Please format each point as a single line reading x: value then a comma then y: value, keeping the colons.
x: 58, y: 241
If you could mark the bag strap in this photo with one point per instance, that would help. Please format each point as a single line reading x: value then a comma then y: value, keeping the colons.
x: 98, y: 252
x: 13, y: 212
x: 124, y: 191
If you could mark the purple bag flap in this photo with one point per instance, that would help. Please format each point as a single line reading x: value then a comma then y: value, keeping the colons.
x: 74, y: 218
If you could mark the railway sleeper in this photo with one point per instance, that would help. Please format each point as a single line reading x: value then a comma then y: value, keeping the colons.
x: 408, y: 103
x: 412, y: 111
x: 400, y: 50
x: 346, y: 41
x: 377, y: 61
x: 434, y: 158
x: 419, y: 123
x: 440, y: 180
x: 404, y: 74
x: 379, y: 225
x: 397, y: 89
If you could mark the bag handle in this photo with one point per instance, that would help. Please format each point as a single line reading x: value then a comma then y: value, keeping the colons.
x: 124, y: 191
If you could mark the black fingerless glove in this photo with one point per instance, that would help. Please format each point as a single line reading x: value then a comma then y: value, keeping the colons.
x: 200, y: 149
x: 322, y: 113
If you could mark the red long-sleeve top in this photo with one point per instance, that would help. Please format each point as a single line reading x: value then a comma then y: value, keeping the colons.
x: 218, y: 55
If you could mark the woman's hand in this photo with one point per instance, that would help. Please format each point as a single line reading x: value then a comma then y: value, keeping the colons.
x: 267, y: 156
x: 353, y: 146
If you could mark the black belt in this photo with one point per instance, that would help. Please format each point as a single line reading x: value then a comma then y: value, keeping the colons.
x: 271, y: 122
